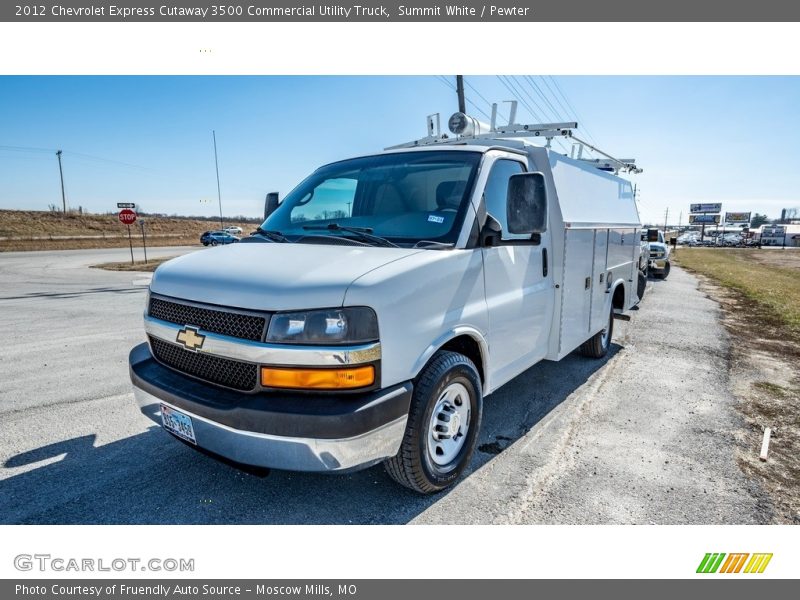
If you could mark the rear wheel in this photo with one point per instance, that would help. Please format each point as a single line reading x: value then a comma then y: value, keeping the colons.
x: 443, y: 424
x: 597, y: 346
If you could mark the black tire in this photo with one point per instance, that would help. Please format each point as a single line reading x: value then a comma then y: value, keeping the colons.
x: 214, y: 242
x: 413, y: 466
x: 597, y: 346
x: 665, y: 272
x: 641, y: 285
x: 205, y: 243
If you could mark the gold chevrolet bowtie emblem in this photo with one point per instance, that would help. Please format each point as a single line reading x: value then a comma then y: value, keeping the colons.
x: 191, y: 339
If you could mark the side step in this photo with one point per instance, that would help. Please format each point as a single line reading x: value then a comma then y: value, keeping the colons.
x: 621, y: 317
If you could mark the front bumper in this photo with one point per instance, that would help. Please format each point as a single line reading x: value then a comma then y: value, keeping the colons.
x: 658, y: 264
x: 291, y: 431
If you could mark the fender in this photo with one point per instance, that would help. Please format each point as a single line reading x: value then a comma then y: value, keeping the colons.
x: 451, y: 334
x: 612, y: 289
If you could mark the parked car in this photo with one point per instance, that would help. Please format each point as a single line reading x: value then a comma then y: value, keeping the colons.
x: 659, y: 252
x: 233, y: 230
x: 376, y: 306
x: 216, y: 238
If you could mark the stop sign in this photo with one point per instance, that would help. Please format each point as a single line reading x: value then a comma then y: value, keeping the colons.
x: 127, y: 216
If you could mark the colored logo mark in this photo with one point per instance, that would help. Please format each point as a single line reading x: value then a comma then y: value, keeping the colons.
x: 734, y: 563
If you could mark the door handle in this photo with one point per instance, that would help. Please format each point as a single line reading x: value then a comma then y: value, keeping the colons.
x: 587, y: 283
x: 544, y: 262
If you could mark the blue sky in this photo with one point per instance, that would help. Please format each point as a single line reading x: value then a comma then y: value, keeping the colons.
x: 148, y: 139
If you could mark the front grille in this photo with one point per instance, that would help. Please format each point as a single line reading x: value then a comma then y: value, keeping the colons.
x: 214, y: 369
x: 233, y: 324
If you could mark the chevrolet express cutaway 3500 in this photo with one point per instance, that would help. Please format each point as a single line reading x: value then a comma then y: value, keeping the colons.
x: 384, y: 298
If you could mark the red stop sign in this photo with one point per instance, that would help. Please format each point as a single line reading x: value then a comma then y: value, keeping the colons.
x: 127, y: 216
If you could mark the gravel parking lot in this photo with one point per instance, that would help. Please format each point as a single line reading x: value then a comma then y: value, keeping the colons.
x: 647, y: 435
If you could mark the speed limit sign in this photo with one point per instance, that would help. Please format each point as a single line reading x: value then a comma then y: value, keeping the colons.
x: 127, y: 216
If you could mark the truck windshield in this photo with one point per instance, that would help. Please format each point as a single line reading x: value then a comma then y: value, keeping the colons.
x: 407, y: 198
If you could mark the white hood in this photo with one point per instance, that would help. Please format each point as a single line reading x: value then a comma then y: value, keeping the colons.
x: 271, y: 276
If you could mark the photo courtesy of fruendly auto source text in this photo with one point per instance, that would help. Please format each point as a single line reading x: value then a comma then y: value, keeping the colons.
x: 392, y: 300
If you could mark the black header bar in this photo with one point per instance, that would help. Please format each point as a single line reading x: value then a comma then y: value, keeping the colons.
x: 528, y: 11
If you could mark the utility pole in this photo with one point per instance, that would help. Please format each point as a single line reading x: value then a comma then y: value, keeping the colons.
x: 666, y: 216
x: 462, y: 105
x: 219, y: 193
x: 61, y: 173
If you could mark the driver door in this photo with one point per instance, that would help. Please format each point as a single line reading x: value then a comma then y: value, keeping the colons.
x: 518, y: 283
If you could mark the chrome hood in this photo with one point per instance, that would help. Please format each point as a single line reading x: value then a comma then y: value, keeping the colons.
x: 271, y: 276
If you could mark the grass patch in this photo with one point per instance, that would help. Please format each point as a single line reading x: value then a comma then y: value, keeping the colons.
x: 769, y: 278
x: 771, y: 388
x: 139, y: 265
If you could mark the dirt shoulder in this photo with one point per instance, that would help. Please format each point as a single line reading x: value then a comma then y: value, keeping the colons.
x: 22, y: 230
x: 651, y: 435
x: 759, y: 294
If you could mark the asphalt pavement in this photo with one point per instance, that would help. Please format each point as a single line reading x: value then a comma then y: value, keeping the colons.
x: 646, y: 435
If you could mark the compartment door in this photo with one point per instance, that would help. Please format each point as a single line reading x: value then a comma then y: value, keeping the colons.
x: 576, y: 297
x: 599, y: 284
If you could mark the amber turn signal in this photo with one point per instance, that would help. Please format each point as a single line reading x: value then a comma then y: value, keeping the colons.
x: 318, y: 379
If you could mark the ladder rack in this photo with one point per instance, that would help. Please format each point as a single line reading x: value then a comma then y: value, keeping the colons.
x: 465, y: 128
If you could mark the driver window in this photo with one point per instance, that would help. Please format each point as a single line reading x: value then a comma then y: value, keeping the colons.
x: 496, y: 191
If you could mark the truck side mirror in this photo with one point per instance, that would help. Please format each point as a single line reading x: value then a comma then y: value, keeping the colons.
x: 526, y: 204
x: 271, y: 204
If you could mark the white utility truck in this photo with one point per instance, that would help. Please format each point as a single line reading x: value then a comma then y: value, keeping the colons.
x: 385, y: 297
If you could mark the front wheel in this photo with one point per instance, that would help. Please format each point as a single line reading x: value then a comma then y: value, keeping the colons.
x: 597, y: 346
x: 443, y: 424
x: 214, y: 242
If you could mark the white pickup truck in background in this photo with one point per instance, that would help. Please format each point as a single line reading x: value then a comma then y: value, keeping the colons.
x: 659, y: 250
x: 384, y: 298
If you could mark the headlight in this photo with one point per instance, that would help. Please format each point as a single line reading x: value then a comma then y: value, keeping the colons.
x: 352, y: 325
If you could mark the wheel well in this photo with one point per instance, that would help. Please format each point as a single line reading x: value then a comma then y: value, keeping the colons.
x: 470, y: 348
x: 618, y: 299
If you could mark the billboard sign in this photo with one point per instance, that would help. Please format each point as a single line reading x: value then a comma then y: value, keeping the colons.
x: 737, y: 217
x: 704, y: 219
x: 706, y: 208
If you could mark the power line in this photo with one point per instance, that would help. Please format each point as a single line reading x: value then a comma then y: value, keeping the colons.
x: 517, y: 84
x: 557, y: 99
x: 574, y: 112
x: 489, y: 104
x: 80, y: 155
x: 533, y: 113
x: 532, y: 84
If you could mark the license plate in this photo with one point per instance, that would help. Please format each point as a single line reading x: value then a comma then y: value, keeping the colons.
x: 177, y: 423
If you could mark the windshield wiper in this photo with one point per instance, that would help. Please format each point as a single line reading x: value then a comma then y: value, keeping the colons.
x: 275, y: 236
x: 363, y: 233
x: 433, y: 244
